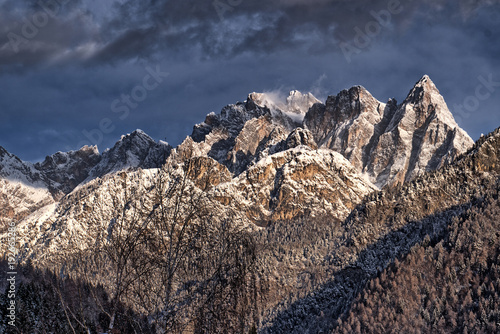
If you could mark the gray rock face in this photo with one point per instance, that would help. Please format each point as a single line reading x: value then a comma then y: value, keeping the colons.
x: 389, y: 143
x: 63, y: 171
x: 244, y: 133
x: 131, y: 151
x: 299, y: 137
x: 14, y: 169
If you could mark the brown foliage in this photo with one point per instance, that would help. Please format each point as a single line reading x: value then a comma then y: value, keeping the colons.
x: 449, y: 287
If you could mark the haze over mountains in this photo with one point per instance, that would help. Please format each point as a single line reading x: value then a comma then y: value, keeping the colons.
x: 335, y: 190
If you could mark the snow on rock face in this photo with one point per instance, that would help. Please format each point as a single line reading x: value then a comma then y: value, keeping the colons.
x: 57, y: 230
x: 299, y: 103
x: 282, y: 186
x: 51, y: 233
x: 63, y: 171
x: 260, y: 157
x: 243, y: 133
x: 22, y: 189
x: 295, y: 106
x: 347, y: 122
x: 26, y: 187
x: 18, y: 200
x: 389, y: 143
x: 300, y: 137
x: 422, y: 135
x: 131, y: 151
x: 296, y: 182
x: 14, y: 169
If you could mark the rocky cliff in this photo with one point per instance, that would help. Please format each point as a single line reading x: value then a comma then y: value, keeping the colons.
x: 389, y: 143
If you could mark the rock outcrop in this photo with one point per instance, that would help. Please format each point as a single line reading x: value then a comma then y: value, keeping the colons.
x: 63, y: 171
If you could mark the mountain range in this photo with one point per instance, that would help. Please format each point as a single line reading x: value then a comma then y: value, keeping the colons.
x: 285, y: 145
x: 335, y: 190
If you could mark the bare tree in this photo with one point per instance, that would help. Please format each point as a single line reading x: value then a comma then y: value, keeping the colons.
x: 202, y: 258
x: 166, y: 249
x: 111, y: 253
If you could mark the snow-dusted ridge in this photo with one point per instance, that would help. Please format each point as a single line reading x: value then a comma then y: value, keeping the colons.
x: 26, y: 187
x: 133, y: 150
x: 295, y: 105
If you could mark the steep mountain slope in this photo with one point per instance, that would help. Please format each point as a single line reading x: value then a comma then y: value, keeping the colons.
x: 60, y: 229
x: 22, y: 189
x: 63, y: 171
x: 286, y: 185
x: 387, y: 142
x: 450, y: 285
x: 296, y: 182
x: 244, y: 133
x: 391, y: 144
x: 14, y: 169
x: 133, y: 150
x: 25, y: 187
x: 386, y: 225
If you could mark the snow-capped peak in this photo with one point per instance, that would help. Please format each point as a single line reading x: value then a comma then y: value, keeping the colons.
x: 138, y: 133
x: 300, y: 103
x: 14, y: 169
x: 136, y: 149
x: 425, y: 86
x: 295, y: 102
x: 390, y: 143
x: 295, y: 105
x: 93, y: 149
x: 425, y: 100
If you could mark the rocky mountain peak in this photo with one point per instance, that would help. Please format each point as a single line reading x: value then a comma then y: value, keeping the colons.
x: 299, y: 137
x: 349, y: 104
x: 389, y: 143
x: 63, y: 171
x: 89, y: 150
x: 133, y: 150
x: 3, y: 151
x: 14, y: 169
x: 423, y: 102
x: 299, y: 103
x: 294, y: 103
x: 60, y: 159
x: 136, y: 136
x: 423, y: 86
x: 243, y: 133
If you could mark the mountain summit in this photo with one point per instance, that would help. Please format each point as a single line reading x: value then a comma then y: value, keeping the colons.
x: 389, y: 143
x: 295, y: 105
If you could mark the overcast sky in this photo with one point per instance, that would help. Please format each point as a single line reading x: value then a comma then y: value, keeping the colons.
x: 86, y: 72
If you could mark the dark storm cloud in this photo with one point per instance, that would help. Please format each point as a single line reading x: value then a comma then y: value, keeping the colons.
x: 44, y: 33
x: 227, y: 28
x: 231, y: 27
x: 200, y: 29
